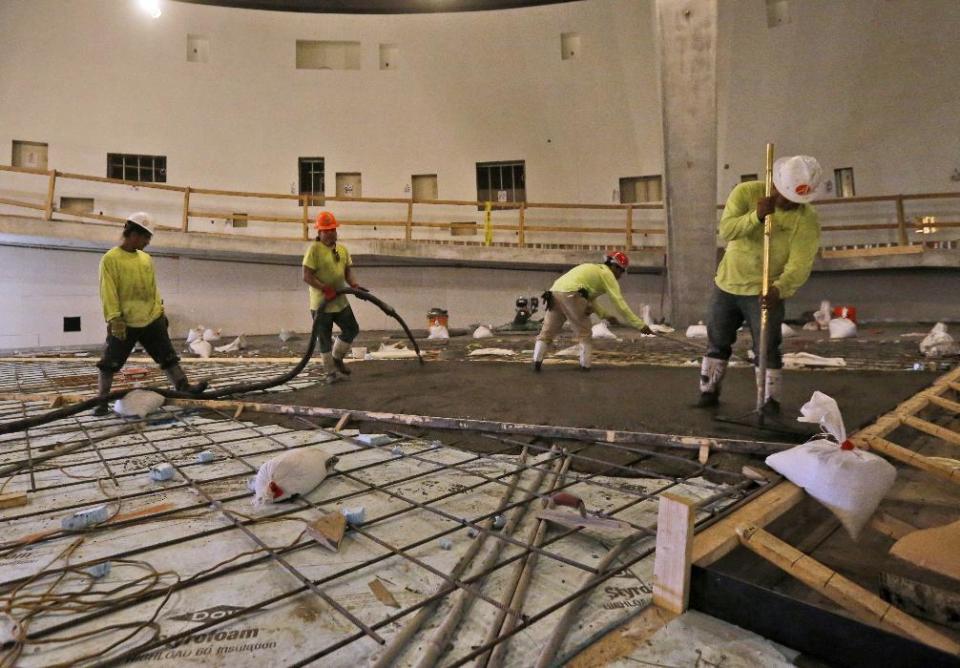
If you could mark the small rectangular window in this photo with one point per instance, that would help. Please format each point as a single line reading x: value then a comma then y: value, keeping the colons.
x: 844, y: 179
x: 32, y: 154
x: 389, y: 56
x: 76, y: 204
x: 71, y: 323
x: 569, y: 45
x: 641, y: 189
x: 312, y: 179
x: 749, y: 177
x: 142, y: 168
x: 314, y: 55
x: 501, y: 182
x: 198, y: 49
x: 424, y: 187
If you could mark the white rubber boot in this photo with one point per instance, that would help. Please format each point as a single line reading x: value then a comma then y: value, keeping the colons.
x: 330, y: 367
x: 340, y: 350
x: 539, y: 352
x: 586, y: 355
x: 711, y: 377
x: 773, y: 390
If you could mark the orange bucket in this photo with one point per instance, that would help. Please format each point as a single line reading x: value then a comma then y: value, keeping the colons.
x: 437, y: 317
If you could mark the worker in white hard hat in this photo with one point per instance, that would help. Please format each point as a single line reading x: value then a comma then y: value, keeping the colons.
x: 327, y: 267
x: 737, y: 294
x: 134, y: 311
x: 573, y: 297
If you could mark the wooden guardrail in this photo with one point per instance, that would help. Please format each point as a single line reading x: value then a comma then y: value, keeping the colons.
x: 521, y: 227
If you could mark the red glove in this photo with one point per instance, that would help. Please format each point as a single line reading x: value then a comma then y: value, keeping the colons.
x: 329, y: 293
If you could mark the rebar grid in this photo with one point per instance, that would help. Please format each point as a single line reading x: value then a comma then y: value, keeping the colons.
x: 418, y: 455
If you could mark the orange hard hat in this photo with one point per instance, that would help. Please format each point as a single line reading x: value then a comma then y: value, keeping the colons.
x: 326, y: 221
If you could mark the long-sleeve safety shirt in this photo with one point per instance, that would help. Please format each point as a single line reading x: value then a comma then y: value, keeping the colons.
x: 128, y: 288
x: 794, y: 242
x: 330, y: 269
x: 597, y: 280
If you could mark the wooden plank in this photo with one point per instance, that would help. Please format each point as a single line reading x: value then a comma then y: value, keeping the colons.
x: 872, y: 252
x: 521, y: 222
x: 907, y: 456
x: 25, y: 205
x: 719, y: 539
x: 671, y: 568
x: 185, y: 219
x: 951, y: 406
x: 901, y: 224
x: 13, y: 500
x: 342, y: 421
x: 51, y: 188
x: 936, y: 549
x: 382, y: 593
x: 629, y: 228
x: 408, y: 228
x: 623, y: 640
x: 890, y: 526
x: 329, y: 530
x: 944, y: 434
x: 855, y: 599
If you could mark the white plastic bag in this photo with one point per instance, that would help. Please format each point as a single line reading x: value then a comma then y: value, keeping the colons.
x: 195, y: 334
x: 698, y: 331
x: 201, y: 348
x: 842, y: 328
x: 438, y: 332
x: 482, y: 332
x: 211, y: 334
x: 602, y: 331
x: 786, y: 331
x: 822, y: 317
x: 238, y: 343
x: 850, y: 482
x: 138, y: 402
x: 938, y: 343
x: 291, y: 473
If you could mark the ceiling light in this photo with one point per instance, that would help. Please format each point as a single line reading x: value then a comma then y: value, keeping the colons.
x: 151, y: 7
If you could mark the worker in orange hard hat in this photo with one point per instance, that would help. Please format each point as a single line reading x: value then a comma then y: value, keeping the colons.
x: 573, y: 297
x: 327, y: 268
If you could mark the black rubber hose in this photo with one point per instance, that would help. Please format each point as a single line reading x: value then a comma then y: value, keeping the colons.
x: 241, y: 388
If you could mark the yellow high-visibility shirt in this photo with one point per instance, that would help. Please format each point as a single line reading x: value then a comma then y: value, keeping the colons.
x: 319, y: 259
x: 597, y: 279
x: 794, y: 242
x: 128, y: 288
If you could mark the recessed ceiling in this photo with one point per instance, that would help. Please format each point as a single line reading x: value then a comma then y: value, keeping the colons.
x: 376, y: 6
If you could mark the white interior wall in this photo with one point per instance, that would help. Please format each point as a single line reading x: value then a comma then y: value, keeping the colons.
x: 255, y: 298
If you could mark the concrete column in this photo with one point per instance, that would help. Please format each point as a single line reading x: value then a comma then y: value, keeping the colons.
x: 687, y: 31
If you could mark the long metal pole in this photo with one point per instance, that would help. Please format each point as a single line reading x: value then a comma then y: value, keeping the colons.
x: 764, y: 291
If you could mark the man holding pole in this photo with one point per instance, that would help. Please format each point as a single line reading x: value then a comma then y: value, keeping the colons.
x: 741, y: 292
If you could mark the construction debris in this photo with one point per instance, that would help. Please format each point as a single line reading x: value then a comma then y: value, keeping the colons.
x: 329, y: 530
x: 938, y: 343
x: 936, y: 549
x: 382, y: 593
x: 698, y: 331
x: 13, y: 500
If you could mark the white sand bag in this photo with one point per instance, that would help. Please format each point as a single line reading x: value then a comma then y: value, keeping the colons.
x: 492, y: 352
x: 842, y: 328
x: 295, y: 472
x: 850, y: 482
x: 602, y: 331
x: 438, y: 332
x: 138, y: 403
x: 482, y: 332
x: 195, y: 334
x: 811, y: 326
x: 786, y: 331
x: 201, y: 348
x: 822, y: 317
x: 237, y: 344
x: 938, y: 343
x: 698, y: 331
x: 211, y: 334
x: 804, y: 359
x: 286, y: 335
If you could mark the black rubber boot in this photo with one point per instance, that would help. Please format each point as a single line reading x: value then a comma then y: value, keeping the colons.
x: 341, y: 366
x: 772, y: 407
x: 708, y: 400
x: 180, y: 383
x: 104, y: 383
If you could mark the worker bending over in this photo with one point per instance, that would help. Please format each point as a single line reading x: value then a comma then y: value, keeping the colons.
x: 134, y: 311
x: 573, y: 297
x: 327, y: 268
x: 737, y: 295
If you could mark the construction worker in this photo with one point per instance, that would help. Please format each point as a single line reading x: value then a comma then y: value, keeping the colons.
x: 134, y: 311
x: 326, y: 268
x: 573, y: 297
x: 737, y: 294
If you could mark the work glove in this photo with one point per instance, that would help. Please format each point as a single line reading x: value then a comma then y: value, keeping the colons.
x: 765, y: 206
x: 118, y: 329
x: 329, y: 292
x: 772, y: 299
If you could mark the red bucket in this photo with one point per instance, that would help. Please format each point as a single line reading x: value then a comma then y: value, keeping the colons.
x: 849, y: 312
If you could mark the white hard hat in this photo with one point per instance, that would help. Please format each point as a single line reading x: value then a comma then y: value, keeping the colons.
x: 798, y: 178
x: 142, y: 219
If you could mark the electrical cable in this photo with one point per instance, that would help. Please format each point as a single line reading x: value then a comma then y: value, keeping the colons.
x: 240, y: 388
